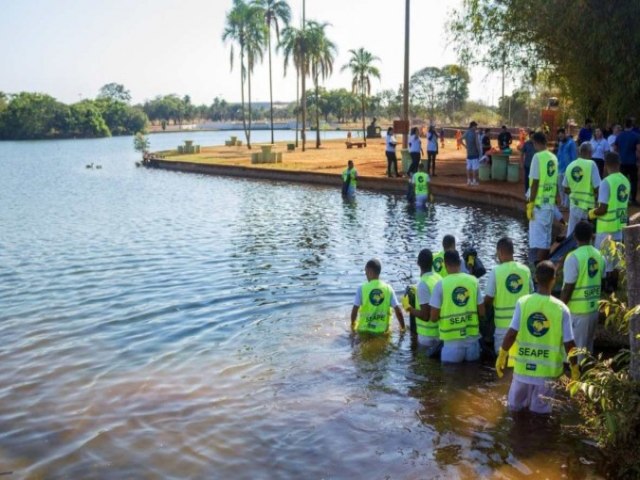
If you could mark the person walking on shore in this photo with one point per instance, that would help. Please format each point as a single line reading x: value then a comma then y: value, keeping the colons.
x: 505, y: 139
x: 581, y: 183
x: 374, y: 301
x: 432, y: 150
x: 526, y: 156
x: 541, y: 325
x: 415, y: 150
x: 442, y: 137
x: 584, y: 272
x: 390, y: 151
x: 627, y: 145
x: 543, y: 192
x: 599, y: 148
x: 458, y: 139
x: 471, y: 141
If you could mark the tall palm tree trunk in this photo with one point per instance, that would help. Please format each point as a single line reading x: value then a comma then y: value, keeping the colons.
x: 317, y: 114
x: 270, y: 83
x: 250, y: 113
x: 297, y: 104
x: 244, y: 114
x: 364, y: 128
x: 303, y: 100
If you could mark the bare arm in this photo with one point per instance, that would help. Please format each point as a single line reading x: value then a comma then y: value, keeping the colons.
x: 423, y: 314
x: 602, y: 209
x: 535, y: 184
x: 435, y: 314
x: 567, y: 292
x: 399, y: 316
x: 509, y: 339
x: 354, y: 316
x: 488, y: 302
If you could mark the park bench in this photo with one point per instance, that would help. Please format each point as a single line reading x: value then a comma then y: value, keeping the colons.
x: 355, y: 144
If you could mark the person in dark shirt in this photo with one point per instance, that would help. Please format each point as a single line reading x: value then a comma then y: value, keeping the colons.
x: 586, y: 132
x: 505, y: 139
x: 627, y: 145
x: 526, y: 156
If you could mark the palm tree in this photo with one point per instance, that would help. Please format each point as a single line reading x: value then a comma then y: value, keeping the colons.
x: 320, y: 56
x: 274, y: 12
x: 293, y: 46
x: 362, y: 68
x: 245, y: 27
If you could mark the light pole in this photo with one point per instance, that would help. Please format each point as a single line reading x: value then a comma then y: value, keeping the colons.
x: 405, y: 106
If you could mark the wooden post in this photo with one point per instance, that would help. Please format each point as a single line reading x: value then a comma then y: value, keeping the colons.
x: 632, y: 257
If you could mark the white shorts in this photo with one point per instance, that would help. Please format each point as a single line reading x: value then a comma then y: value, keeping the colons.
x: 535, y: 398
x: 463, y: 351
x: 473, y: 163
x: 540, y: 228
x: 584, y: 329
x: 576, y: 215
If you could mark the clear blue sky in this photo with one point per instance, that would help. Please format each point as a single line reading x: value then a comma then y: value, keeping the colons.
x: 70, y: 48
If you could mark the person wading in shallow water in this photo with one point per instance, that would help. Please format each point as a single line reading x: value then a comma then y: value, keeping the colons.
x: 541, y: 325
x: 374, y: 300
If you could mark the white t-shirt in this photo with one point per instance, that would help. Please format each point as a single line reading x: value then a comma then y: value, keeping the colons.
x: 567, y: 336
x: 595, y: 178
x: 572, y: 269
x: 603, y: 193
x: 490, y: 287
x: 358, y: 300
x: 611, y: 140
x: 415, y: 144
x: 391, y: 143
x: 432, y: 144
x: 424, y: 295
x: 599, y: 148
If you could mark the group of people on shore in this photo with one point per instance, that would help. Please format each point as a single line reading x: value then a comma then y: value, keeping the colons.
x: 415, y: 150
x: 530, y: 329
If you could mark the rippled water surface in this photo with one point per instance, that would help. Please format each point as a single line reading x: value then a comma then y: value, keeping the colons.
x: 166, y: 325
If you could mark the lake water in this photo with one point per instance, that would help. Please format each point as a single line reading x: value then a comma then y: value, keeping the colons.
x: 167, y: 325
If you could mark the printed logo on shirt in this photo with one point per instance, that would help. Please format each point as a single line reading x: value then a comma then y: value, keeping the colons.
x: 623, y: 193
x: 376, y: 297
x: 438, y: 263
x: 592, y: 267
x: 514, y: 283
x: 460, y: 296
x: 420, y: 179
x: 537, y: 324
x: 577, y: 174
x: 551, y: 168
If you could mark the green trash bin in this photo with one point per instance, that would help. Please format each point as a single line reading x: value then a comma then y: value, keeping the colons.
x: 499, y: 164
x: 484, y: 173
x: 513, y: 173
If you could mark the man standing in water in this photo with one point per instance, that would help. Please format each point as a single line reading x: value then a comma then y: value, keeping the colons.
x: 457, y: 305
x: 507, y: 283
x: 349, y: 180
x: 541, y: 325
x: 420, y: 182
x: 374, y: 301
x: 428, y: 335
x: 543, y: 192
x: 448, y: 245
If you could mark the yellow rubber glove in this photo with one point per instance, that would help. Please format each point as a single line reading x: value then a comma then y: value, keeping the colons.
x: 530, y: 207
x: 406, y: 304
x: 501, y: 362
x: 575, y: 372
x: 592, y: 214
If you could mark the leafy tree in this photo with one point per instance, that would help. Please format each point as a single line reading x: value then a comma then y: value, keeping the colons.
x: 141, y: 143
x: 320, y: 53
x: 86, y: 121
x: 245, y: 27
x: 275, y: 12
x: 293, y: 45
x: 34, y: 116
x: 116, y: 92
x: 362, y: 70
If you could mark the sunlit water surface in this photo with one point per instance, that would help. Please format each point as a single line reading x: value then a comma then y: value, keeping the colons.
x: 166, y: 325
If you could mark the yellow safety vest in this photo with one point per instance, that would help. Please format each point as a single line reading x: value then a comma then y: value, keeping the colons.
x: 513, y: 281
x: 617, y: 206
x: 459, y: 311
x: 586, y: 293
x: 421, y: 186
x: 438, y: 264
x: 548, y: 182
x: 354, y: 177
x: 578, y: 176
x: 375, y: 311
x: 540, y: 346
x: 426, y: 328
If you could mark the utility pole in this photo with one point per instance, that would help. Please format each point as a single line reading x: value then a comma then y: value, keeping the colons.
x: 405, y: 107
x: 304, y: 80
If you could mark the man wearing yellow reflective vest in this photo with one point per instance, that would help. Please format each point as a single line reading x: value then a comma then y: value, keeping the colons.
x: 613, y: 200
x: 541, y: 325
x: 448, y: 245
x: 427, y: 331
x: 507, y: 283
x: 457, y: 305
x: 581, y: 182
x: 543, y: 193
x: 374, y: 300
x: 420, y: 182
x: 349, y: 180
x: 584, y: 271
